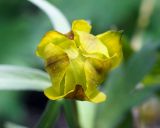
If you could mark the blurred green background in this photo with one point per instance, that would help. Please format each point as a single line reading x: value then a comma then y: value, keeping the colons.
x: 22, y: 26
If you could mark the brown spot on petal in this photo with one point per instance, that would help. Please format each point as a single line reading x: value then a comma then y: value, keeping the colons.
x: 78, y: 93
x: 53, y: 60
x: 99, y: 70
x: 55, y: 64
x: 70, y: 35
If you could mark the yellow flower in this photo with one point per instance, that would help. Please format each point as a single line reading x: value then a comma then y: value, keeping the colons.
x: 77, y: 62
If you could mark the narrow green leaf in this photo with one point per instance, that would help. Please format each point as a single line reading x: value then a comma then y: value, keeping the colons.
x: 152, y: 79
x: 140, y: 64
x: 56, y: 17
x: 13, y: 125
x: 141, y: 94
x: 154, y: 76
x: 110, y: 112
x: 22, y: 78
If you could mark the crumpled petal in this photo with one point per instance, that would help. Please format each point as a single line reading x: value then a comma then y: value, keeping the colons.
x: 75, y: 74
x: 57, y: 50
x: 57, y: 62
x: 91, y: 44
x: 95, y: 71
x: 73, y: 84
x: 60, y: 40
x: 112, y: 40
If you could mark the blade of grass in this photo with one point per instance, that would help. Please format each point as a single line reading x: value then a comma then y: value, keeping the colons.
x: 56, y: 17
x: 22, y: 78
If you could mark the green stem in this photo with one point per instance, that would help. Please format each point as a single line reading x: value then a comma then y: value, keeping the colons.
x: 71, y: 114
x: 49, y: 115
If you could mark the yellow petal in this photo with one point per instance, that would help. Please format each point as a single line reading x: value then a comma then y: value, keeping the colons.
x: 60, y: 40
x: 54, y: 94
x: 95, y: 96
x: 112, y: 40
x: 75, y: 75
x: 57, y: 62
x: 91, y: 44
x: 95, y: 70
x: 49, y: 37
x: 81, y: 25
x: 69, y: 82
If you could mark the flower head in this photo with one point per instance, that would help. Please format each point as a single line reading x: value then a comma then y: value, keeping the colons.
x: 77, y: 62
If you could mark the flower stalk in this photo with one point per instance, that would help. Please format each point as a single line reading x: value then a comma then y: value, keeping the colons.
x: 49, y: 115
x: 71, y: 113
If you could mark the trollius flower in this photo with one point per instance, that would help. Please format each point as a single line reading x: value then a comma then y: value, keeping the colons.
x: 78, y: 61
